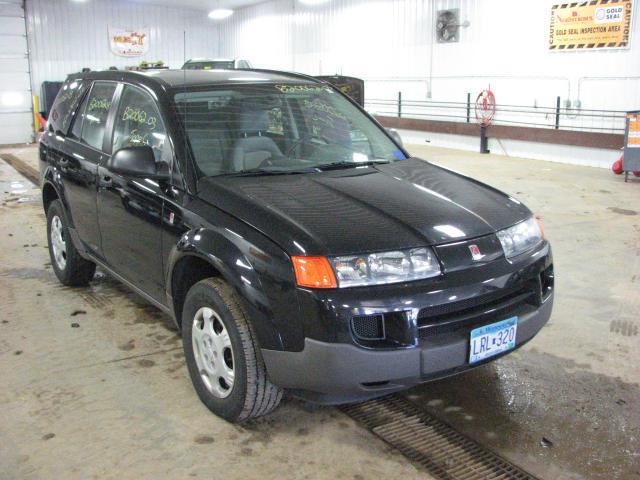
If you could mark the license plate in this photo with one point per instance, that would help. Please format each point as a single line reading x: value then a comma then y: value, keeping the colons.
x: 492, y: 339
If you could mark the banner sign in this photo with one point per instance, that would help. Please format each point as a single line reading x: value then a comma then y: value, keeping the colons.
x: 590, y: 25
x: 129, y: 43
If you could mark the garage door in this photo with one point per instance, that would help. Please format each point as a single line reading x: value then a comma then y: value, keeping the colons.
x: 16, y: 121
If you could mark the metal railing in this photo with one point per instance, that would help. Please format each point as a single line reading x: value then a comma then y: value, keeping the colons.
x: 553, y: 117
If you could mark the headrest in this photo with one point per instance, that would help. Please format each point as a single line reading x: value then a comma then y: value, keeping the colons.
x: 252, y: 121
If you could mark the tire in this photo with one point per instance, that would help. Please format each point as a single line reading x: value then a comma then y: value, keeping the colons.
x: 70, y: 268
x: 212, y: 308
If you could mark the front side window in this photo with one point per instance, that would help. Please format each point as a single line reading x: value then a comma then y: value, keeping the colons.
x: 95, y: 112
x: 138, y: 122
x: 279, y: 128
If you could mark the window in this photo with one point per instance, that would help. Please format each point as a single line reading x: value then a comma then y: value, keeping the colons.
x: 278, y: 128
x: 138, y: 122
x: 76, y: 129
x: 65, y: 103
x: 96, y: 111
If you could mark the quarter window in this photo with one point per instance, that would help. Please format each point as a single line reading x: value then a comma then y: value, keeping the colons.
x: 65, y: 104
x: 138, y: 122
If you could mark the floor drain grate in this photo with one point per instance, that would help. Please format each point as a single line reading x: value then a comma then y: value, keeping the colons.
x: 434, y: 445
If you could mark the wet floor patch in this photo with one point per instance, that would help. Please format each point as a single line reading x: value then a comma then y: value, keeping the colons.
x: 22, y: 167
x: 549, y: 415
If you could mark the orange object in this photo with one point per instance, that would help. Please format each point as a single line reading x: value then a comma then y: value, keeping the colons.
x: 539, y: 226
x: 314, y: 272
x: 41, y: 119
x: 617, y: 166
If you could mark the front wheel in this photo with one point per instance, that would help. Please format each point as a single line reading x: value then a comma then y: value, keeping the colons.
x: 70, y: 268
x: 222, y: 354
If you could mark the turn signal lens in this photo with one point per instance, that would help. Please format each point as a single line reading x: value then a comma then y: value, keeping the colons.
x: 314, y: 272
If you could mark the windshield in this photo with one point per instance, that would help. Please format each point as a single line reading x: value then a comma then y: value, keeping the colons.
x: 210, y: 65
x: 279, y: 129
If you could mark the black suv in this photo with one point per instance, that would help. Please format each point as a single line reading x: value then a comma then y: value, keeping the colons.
x: 294, y: 242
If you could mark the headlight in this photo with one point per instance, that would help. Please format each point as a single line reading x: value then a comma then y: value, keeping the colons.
x: 387, y: 267
x: 520, y: 238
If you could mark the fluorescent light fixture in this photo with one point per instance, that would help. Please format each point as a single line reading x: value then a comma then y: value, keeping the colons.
x: 313, y: 2
x: 220, y: 13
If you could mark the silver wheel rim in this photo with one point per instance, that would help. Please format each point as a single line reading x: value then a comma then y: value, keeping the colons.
x: 213, y: 352
x: 58, y: 243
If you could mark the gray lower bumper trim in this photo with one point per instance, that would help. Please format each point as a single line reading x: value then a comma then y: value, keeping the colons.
x: 344, y: 370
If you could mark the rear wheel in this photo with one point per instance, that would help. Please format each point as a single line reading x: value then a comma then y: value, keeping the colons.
x: 70, y: 268
x: 222, y: 354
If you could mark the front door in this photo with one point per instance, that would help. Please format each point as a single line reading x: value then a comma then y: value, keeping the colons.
x: 130, y: 209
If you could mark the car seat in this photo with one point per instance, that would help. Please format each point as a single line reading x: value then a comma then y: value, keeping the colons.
x: 253, y: 147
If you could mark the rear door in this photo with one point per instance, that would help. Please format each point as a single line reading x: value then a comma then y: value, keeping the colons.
x: 82, y: 152
x: 130, y: 209
x: 16, y: 114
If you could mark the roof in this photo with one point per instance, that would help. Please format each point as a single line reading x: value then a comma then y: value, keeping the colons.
x: 181, y: 78
x: 191, y: 60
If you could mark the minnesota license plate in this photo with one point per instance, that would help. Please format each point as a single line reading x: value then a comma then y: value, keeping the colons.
x: 492, y: 339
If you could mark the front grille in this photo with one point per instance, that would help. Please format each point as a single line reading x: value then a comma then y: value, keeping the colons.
x: 466, y: 314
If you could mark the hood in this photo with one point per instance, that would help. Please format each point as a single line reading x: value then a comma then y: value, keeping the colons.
x: 400, y: 205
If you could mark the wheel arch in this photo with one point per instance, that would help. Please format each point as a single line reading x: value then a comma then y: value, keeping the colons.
x: 187, y: 270
x: 204, y: 253
x: 49, y: 194
x: 53, y: 190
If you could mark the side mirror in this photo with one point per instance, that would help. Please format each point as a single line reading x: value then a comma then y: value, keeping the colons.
x: 136, y: 161
x: 395, y: 135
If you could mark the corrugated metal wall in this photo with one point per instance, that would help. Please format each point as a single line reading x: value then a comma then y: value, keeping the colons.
x: 65, y: 36
x: 16, y: 125
x: 388, y: 42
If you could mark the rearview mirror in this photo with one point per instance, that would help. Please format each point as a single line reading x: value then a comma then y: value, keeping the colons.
x: 395, y: 135
x: 136, y: 161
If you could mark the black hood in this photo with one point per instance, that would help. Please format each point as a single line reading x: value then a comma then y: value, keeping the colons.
x: 399, y: 205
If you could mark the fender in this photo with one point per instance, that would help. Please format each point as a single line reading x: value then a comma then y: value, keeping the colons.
x: 51, y: 177
x: 259, y: 273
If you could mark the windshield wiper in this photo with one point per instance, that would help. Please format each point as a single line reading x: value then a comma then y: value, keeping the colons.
x: 257, y: 172
x: 339, y: 165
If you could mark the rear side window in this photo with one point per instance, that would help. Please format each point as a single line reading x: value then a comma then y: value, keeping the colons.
x: 94, y: 113
x: 138, y: 122
x: 66, y: 103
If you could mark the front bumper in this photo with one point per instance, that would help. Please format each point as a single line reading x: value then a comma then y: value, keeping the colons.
x: 339, y: 372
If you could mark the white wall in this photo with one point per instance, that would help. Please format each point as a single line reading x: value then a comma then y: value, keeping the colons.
x: 388, y: 42
x: 65, y: 36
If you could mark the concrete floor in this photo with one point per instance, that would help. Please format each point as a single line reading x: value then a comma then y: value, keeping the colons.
x: 94, y: 383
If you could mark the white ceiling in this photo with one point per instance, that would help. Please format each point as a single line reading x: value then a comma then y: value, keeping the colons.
x: 205, y: 5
